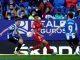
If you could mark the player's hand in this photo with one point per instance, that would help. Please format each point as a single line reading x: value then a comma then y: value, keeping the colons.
x: 51, y: 33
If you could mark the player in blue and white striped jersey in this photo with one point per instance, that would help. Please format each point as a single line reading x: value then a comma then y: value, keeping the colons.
x: 70, y: 31
x: 14, y: 36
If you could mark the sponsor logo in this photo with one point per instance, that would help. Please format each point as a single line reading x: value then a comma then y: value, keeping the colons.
x: 58, y: 50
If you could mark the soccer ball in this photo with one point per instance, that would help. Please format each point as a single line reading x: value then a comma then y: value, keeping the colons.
x: 29, y: 34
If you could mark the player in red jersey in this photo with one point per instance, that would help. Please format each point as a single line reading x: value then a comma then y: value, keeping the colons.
x: 38, y: 37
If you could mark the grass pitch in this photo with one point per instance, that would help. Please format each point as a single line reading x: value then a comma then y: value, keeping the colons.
x: 40, y: 57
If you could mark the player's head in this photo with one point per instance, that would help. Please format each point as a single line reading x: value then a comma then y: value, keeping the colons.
x: 70, y: 15
x: 11, y: 7
x: 22, y: 7
x: 36, y: 17
x: 18, y: 23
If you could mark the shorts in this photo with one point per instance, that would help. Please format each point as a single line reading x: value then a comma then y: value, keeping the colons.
x: 76, y: 41
x: 38, y: 39
x: 14, y: 40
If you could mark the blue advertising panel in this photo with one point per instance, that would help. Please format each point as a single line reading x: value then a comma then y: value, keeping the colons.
x: 49, y: 27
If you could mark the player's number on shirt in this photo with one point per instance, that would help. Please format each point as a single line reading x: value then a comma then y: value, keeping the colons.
x: 70, y: 28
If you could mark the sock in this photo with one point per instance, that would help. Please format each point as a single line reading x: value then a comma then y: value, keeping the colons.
x: 19, y: 46
x: 48, y: 47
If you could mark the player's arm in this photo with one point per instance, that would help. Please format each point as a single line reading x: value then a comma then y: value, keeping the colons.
x: 33, y: 27
x: 3, y: 31
x: 38, y: 33
x: 76, y: 28
x: 42, y: 25
x: 6, y: 30
x: 56, y: 30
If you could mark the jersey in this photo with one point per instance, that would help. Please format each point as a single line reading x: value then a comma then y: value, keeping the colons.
x: 37, y: 26
x: 70, y: 26
x: 70, y: 29
x: 12, y: 30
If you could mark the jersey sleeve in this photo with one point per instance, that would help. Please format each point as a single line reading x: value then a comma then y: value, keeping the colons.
x: 11, y: 27
x: 33, y: 25
x: 41, y: 24
x: 76, y: 28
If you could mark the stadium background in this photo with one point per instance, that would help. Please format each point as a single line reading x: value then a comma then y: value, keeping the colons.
x: 57, y: 39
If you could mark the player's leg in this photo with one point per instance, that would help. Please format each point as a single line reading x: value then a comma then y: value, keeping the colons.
x: 70, y: 43
x: 38, y: 40
x: 17, y: 41
x: 70, y: 40
x: 20, y: 43
x: 37, y: 46
x: 41, y: 40
x: 75, y: 41
x: 47, y: 46
x: 40, y: 45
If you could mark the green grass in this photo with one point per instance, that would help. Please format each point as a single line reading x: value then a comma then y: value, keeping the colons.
x: 40, y: 57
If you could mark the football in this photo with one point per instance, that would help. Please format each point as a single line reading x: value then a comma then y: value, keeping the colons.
x: 29, y: 34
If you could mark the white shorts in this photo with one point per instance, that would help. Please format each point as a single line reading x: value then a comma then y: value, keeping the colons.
x: 70, y: 36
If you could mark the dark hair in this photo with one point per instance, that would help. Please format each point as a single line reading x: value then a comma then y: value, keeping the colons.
x: 70, y: 15
x: 36, y: 15
x: 11, y: 4
x: 22, y: 11
x: 9, y: 13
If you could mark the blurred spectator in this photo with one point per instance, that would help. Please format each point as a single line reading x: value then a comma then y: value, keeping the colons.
x: 5, y: 3
x: 11, y: 1
x: 34, y: 2
x: 70, y: 3
x: 11, y: 13
x: 58, y: 15
x: 1, y: 16
x: 72, y: 11
x: 78, y: 13
x: 44, y: 8
x: 23, y: 15
x: 78, y: 3
x: 24, y: 2
x: 47, y: 13
x: 43, y: 5
x: 31, y: 17
x: 39, y: 12
x: 22, y: 12
x: 59, y: 4
x: 17, y: 2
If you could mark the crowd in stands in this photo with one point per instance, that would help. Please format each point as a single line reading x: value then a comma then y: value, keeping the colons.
x: 46, y: 9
